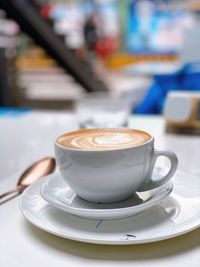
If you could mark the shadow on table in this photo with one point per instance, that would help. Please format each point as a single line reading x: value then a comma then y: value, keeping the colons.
x: 155, y: 250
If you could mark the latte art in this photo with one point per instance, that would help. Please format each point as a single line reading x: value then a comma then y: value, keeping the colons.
x: 103, y: 139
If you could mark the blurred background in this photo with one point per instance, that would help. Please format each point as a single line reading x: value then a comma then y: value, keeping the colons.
x: 54, y: 53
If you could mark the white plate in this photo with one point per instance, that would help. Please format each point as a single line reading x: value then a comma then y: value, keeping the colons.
x: 175, y: 215
x: 56, y: 192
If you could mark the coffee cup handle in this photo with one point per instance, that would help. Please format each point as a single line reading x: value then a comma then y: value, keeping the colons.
x: 151, y: 184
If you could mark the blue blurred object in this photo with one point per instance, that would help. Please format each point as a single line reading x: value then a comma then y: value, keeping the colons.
x: 13, y: 111
x: 187, y: 79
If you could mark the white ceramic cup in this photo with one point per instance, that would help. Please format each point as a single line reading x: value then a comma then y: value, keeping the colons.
x: 112, y: 175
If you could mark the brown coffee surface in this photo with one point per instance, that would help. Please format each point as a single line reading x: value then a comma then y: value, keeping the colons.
x: 103, y: 139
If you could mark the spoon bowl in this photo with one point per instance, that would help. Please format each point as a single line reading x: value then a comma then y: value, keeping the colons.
x: 36, y: 171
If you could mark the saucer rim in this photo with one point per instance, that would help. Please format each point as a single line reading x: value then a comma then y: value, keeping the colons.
x: 37, y: 221
x: 96, y: 241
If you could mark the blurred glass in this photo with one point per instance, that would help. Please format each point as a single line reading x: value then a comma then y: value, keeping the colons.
x: 102, y: 110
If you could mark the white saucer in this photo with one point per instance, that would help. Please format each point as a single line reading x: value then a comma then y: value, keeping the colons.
x: 55, y: 191
x: 175, y: 215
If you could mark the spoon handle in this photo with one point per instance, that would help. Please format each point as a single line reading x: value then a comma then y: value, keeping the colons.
x: 8, y: 195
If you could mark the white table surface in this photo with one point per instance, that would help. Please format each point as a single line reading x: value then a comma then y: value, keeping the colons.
x: 26, y: 138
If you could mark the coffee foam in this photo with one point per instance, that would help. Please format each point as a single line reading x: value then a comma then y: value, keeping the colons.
x: 103, y: 139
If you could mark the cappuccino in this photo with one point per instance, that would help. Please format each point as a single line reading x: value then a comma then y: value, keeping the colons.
x: 103, y: 139
x: 109, y: 165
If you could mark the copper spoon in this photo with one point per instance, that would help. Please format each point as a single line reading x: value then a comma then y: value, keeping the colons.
x: 33, y: 173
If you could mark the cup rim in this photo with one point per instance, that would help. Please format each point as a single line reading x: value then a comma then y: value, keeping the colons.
x: 103, y: 151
